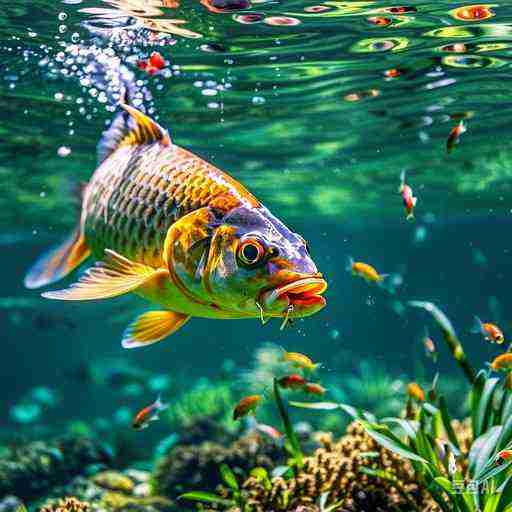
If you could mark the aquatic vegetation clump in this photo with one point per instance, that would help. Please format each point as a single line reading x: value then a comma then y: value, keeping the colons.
x: 345, y: 470
x: 204, y: 412
x: 196, y: 467
x: 29, y: 470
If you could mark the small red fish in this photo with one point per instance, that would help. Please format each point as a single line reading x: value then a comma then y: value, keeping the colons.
x: 503, y: 456
x: 407, y: 197
x: 392, y: 73
x: 152, y: 65
x: 430, y: 346
x: 294, y: 381
x: 454, y: 136
x: 246, y: 406
x: 148, y: 414
x: 312, y: 388
x: 489, y: 331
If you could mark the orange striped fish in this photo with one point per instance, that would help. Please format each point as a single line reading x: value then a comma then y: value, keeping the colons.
x: 166, y: 225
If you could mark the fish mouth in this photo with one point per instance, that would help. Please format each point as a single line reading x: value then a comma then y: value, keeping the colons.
x: 299, y: 298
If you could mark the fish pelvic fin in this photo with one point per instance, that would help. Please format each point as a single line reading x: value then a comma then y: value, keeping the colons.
x: 151, y: 327
x: 58, y: 262
x: 115, y: 275
x: 130, y: 128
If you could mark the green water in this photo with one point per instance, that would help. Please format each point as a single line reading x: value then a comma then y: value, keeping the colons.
x: 303, y: 114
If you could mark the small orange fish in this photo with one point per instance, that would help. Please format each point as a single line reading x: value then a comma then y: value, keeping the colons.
x: 366, y: 271
x: 392, y: 73
x: 246, y: 406
x: 147, y: 414
x: 312, y: 388
x: 294, y: 381
x: 489, y: 331
x: 414, y: 391
x: 472, y: 13
x: 381, y: 21
x: 502, y: 362
x: 430, y: 347
x: 454, y: 136
x: 503, y: 456
x: 300, y: 360
x: 152, y: 65
x: 407, y: 197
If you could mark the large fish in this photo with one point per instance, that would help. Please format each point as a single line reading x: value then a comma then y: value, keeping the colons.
x: 172, y: 228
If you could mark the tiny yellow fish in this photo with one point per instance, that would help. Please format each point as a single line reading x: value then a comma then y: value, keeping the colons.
x: 415, y: 391
x: 366, y: 271
x: 300, y: 360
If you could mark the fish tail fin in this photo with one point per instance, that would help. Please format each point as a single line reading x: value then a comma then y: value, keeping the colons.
x: 159, y: 404
x: 61, y: 259
x: 58, y: 262
x: 477, y: 326
x: 350, y: 263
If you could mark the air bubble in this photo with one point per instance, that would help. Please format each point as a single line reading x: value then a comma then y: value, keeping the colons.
x: 63, y: 16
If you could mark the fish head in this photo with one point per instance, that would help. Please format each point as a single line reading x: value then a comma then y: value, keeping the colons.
x: 258, y: 267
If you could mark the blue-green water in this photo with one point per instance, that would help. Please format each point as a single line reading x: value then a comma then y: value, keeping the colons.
x: 306, y: 115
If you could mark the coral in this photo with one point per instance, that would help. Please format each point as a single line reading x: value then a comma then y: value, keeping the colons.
x: 196, y: 467
x: 336, y: 468
x: 31, y: 469
x: 114, y: 481
x: 67, y: 505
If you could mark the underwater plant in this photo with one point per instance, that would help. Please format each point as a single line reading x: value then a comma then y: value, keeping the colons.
x: 204, y: 412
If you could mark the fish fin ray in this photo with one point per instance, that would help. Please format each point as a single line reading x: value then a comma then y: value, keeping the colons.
x: 151, y: 327
x: 115, y: 275
x: 131, y: 127
x: 58, y: 262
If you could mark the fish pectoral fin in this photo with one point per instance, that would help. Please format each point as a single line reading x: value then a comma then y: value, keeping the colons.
x: 151, y: 327
x: 115, y: 275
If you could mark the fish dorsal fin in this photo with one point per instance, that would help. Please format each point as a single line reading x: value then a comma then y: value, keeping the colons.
x: 131, y: 128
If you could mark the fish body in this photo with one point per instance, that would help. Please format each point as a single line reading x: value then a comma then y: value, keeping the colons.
x: 415, y: 391
x: 503, y: 362
x: 408, y: 198
x: 312, y: 388
x: 454, y: 136
x: 294, y: 381
x: 300, y: 361
x: 490, y: 332
x: 247, y: 405
x: 166, y: 225
x: 148, y: 414
x: 153, y: 64
x: 366, y: 271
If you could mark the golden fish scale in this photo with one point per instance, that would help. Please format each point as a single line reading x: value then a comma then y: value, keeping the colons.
x: 139, y: 192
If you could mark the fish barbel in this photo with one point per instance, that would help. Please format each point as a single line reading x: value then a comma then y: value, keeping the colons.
x: 167, y: 225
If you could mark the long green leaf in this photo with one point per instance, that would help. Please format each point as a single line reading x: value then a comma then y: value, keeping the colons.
x: 506, y: 435
x: 482, y: 451
x: 476, y: 394
x: 383, y: 435
x: 229, y: 477
x: 484, y: 410
x: 505, y: 490
x: 447, y: 424
x: 494, y: 470
x: 207, y: 497
x: 288, y: 428
x: 409, y: 427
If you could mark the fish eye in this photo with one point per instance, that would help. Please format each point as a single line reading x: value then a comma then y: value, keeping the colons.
x: 251, y: 252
